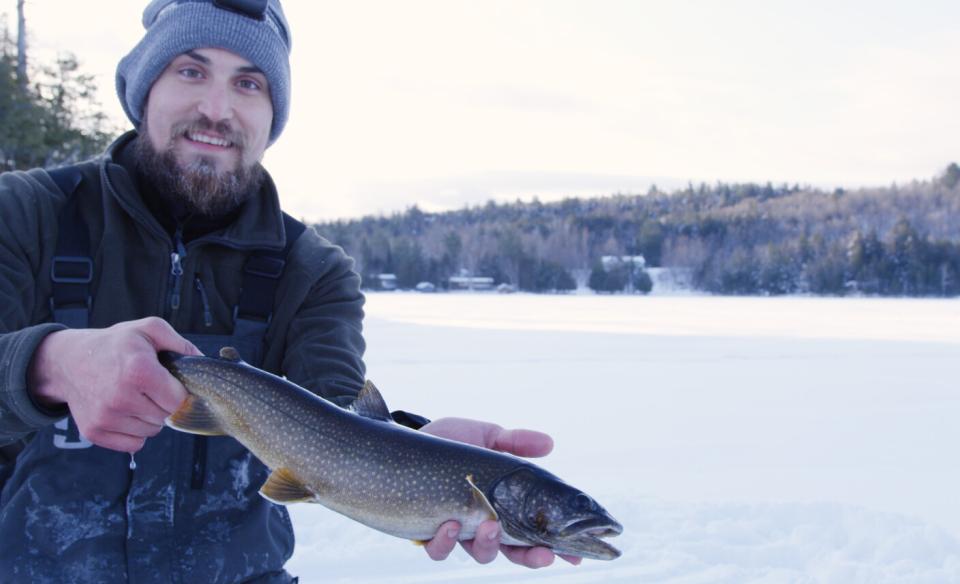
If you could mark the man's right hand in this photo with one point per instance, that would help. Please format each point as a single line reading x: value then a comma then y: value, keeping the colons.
x: 117, y: 391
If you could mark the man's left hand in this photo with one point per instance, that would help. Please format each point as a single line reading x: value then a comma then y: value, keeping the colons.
x: 485, y: 545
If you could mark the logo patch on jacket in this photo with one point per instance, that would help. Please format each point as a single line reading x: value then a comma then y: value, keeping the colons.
x: 67, y: 436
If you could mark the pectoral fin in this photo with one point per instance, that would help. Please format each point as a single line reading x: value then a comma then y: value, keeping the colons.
x: 283, y: 487
x: 195, y: 417
x: 481, y: 499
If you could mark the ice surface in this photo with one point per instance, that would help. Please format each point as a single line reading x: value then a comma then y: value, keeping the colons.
x: 737, y: 439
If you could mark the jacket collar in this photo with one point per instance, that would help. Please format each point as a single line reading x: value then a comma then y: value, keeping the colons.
x: 259, y: 224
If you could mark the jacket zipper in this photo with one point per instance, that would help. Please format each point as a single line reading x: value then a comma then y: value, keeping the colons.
x: 176, y: 269
x: 207, y: 315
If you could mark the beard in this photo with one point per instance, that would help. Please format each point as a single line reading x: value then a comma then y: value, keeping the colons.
x: 198, y: 186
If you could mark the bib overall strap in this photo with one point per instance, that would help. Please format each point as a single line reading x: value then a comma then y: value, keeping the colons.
x: 261, y: 275
x: 72, y: 269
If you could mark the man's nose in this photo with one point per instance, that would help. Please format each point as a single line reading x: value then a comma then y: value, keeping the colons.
x: 216, y: 103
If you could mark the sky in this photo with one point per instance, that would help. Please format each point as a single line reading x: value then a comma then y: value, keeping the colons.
x: 451, y: 103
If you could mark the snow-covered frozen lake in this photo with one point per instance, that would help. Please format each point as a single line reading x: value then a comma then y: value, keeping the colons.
x: 737, y: 439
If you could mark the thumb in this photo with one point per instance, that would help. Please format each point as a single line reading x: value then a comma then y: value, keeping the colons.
x: 528, y: 443
x: 163, y: 337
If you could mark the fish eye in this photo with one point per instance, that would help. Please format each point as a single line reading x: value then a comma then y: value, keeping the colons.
x: 583, y: 502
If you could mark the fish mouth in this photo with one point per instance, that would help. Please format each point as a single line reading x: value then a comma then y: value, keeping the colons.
x: 585, y: 538
x: 593, y: 526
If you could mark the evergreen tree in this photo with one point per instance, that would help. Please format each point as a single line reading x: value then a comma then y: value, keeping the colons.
x: 453, y: 247
x: 650, y: 241
x: 906, y: 256
x: 608, y: 280
x: 409, y: 265
x: 51, y: 122
x: 551, y: 277
x: 642, y: 283
x: 779, y: 271
x: 951, y: 176
x: 825, y: 274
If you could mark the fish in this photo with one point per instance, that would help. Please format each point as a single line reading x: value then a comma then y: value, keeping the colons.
x: 361, y: 464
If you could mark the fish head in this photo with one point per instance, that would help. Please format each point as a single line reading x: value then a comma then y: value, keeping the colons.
x: 540, y: 509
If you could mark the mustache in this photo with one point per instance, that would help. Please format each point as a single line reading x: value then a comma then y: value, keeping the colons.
x: 223, y: 128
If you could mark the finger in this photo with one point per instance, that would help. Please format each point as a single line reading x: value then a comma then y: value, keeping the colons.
x: 164, y: 338
x: 575, y: 560
x: 485, y: 545
x: 523, y: 442
x: 142, y: 374
x: 168, y: 397
x: 150, y: 412
x: 135, y: 427
x: 444, y: 541
x: 118, y: 441
x: 531, y: 557
x: 158, y: 386
x: 163, y: 389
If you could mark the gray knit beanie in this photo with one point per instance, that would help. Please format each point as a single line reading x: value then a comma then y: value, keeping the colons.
x: 254, y: 29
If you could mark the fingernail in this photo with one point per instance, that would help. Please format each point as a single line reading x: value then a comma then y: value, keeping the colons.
x: 453, y: 532
x: 493, y: 534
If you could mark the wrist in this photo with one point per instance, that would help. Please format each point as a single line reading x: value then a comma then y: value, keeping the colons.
x: 41, y: 373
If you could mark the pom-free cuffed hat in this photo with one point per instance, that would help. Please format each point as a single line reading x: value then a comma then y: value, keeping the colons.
x: 254, y: 29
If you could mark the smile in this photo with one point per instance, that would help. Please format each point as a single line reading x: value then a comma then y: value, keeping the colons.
x: 211, y: 140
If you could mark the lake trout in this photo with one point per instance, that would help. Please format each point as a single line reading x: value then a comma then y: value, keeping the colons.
x: 363, y: 465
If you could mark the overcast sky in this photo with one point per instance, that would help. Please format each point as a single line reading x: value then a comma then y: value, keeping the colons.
x: 446, y: 103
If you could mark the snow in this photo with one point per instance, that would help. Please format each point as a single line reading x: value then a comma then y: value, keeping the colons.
x: 738, y: 440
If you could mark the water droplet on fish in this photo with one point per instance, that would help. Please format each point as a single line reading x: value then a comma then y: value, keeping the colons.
x: 133, y: 462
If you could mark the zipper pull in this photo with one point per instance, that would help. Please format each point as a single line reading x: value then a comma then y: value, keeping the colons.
x: 176, y: 269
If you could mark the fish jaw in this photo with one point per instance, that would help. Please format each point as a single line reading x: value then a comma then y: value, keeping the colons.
x: 585, y: 538
x: 586, y: 542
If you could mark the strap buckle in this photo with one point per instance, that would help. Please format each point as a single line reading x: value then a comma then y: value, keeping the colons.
x: 250, y: 317
x: 71, y: 270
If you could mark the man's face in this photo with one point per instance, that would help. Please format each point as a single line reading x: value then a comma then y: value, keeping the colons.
x: 205, y: 127
x: 210, y: 105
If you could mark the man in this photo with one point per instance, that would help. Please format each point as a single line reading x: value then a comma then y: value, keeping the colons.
x: 173, y: 240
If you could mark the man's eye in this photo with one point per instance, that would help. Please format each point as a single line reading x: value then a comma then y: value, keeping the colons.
x: 249, y: 84
x: 190, y: 73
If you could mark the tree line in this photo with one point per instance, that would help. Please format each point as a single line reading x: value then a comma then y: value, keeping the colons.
x: 742, y: 239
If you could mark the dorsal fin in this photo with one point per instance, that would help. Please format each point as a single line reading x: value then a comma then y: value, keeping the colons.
x: 370, y: 404
x: 230, y: 354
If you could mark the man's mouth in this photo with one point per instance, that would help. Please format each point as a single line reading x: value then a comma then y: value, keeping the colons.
x: 208, y: 139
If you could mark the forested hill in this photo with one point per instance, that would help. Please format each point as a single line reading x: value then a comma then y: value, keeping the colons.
x: 729, y: 238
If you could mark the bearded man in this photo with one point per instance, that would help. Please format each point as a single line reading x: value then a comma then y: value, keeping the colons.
x: 174, y: 240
